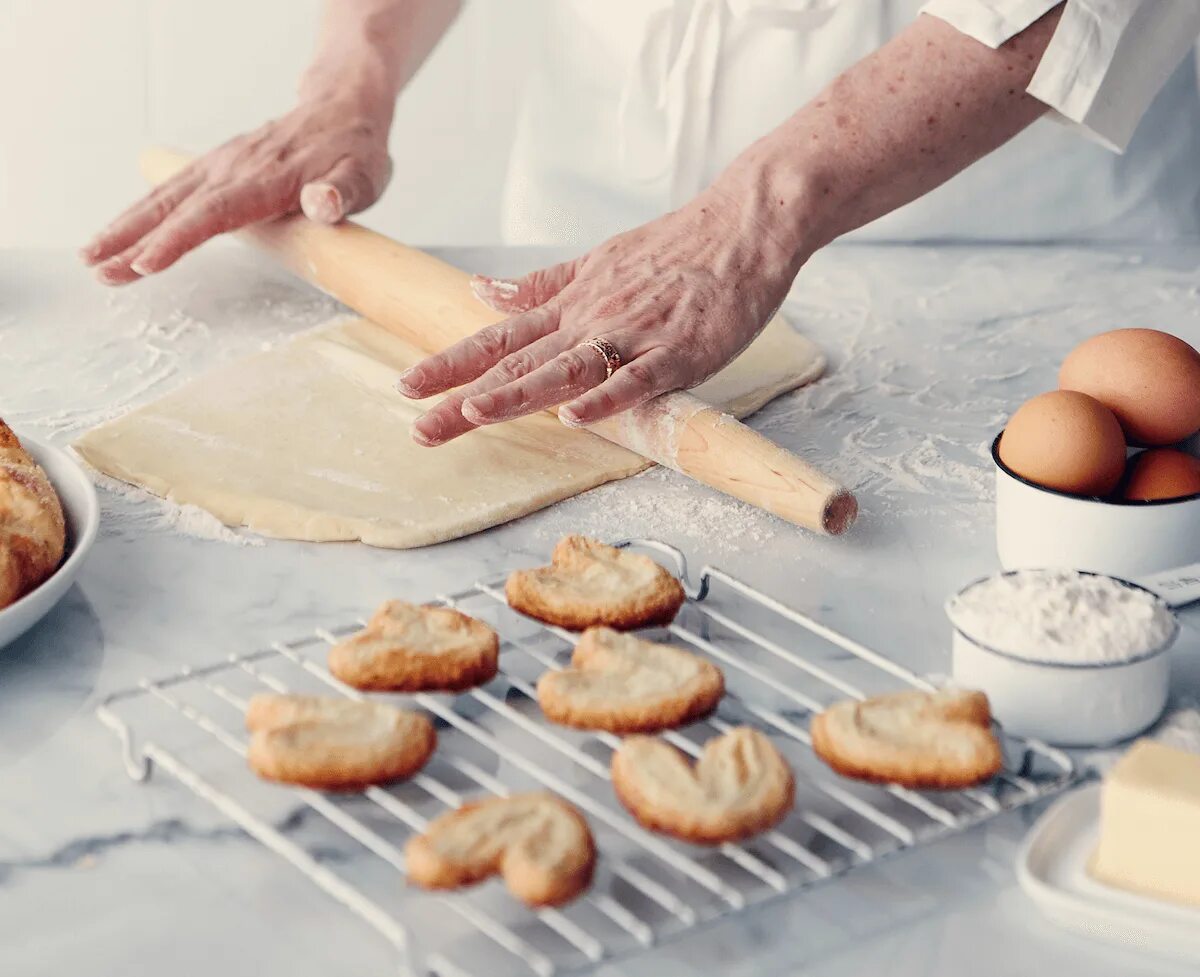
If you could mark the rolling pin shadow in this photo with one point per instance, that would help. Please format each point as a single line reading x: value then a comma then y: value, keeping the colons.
x: 430, y: 304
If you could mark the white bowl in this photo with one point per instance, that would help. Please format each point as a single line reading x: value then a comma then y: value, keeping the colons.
x: 1038, y: 527
x: 1067, y: 704
x: 81, y: 507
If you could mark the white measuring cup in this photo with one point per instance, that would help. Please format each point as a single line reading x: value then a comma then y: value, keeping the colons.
x: 1078, y: 704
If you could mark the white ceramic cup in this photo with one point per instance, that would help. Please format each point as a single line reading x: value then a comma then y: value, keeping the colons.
x: 1074, y: 703
x: 1037, y: 527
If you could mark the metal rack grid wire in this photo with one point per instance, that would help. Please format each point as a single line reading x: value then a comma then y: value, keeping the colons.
x: 780, y: 666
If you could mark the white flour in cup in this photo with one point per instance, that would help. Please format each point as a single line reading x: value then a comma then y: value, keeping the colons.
x: 1062, y: 616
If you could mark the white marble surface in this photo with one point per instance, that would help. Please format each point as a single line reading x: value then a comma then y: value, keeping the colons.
x: 930, y: 348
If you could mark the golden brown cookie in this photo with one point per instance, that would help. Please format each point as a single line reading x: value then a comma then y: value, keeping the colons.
x: 589, y: 584
x: 739, y: 786
x: 333, y: 743
x: 915, y: 739
x: 623, y: 684
x: 32, y: 528
x: 413, y: 647
x: 539, y: 843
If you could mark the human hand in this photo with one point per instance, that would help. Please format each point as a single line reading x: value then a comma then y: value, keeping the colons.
x: 327, y: 157
x: 678, y: 298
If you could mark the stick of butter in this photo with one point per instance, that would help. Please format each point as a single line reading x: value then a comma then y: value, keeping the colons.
x: 1150, y: 823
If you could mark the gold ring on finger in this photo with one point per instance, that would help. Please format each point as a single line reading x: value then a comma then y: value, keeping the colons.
x: 612, y: 359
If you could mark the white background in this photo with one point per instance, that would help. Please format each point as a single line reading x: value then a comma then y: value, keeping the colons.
x: 85, y: 83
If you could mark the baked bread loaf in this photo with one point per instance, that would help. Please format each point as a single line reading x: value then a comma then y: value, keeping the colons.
x: 622, y: 684
x: 539, y: 843
x: 32, y: 528
x: 915, y: 739
x: 589, y: 584
x: 414, y: 647
x: 738, y: 787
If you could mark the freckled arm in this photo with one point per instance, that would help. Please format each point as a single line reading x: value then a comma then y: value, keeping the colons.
x: 682, y: 295
x: 890, y: 129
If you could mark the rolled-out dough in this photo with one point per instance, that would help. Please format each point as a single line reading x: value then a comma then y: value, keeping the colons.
x: 310, y: 441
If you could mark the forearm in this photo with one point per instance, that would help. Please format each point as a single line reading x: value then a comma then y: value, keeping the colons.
x: 372, y: 48
x: 890, y: 129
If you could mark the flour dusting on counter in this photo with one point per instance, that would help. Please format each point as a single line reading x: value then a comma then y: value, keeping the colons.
x: 661, y: 505
x: 148, y: 511
x: 1181, y: 729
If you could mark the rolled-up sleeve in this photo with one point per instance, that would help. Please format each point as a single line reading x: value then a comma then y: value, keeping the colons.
x: 1106, y: 61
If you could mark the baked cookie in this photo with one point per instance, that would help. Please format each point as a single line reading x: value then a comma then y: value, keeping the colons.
x: 335, y: 744
x: 589, y: 584
x: 623, y: 684
x: 412, y: 648
x: 739, y: 786
x: 915, y: 739
x: 539, y: 843
x: 32, y: 529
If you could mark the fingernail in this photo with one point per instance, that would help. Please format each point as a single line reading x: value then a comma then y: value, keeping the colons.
x: 89, y: 251
x: 409, y: 382
x: 322, y: 202
x: 569, y: 417
x: 481, y: 404
x: 107, y: 273
x: 426, y: 431
x: 138, y: 267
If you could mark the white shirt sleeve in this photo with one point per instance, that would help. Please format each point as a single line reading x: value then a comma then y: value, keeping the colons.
x: 1106, y: 61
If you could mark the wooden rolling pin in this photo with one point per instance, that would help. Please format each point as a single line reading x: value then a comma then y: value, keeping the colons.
x: 429, y: 303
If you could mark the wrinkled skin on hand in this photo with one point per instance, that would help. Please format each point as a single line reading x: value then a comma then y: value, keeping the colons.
x: 678, y: 298
x: 328, y: 157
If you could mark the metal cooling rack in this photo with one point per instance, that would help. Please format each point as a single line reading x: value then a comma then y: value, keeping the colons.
x: 780, y: 667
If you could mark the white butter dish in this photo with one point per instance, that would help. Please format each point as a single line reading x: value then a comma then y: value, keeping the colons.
x: 1052, y: 869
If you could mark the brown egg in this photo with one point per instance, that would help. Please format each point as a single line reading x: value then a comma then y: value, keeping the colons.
x: 1161, y: 473
x: 1066, y: 441
x: 1149, y: 379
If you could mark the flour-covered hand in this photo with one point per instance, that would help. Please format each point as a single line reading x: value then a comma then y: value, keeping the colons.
x: 327, y: 157
x: 677, y: 298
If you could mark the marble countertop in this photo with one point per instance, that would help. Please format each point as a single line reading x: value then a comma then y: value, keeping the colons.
x: 929, y: 348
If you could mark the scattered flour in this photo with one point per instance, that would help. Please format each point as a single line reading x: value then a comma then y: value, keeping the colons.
x: 190, y: 520
x: 158, y: 513
x: 1062, y: 616
x: 1181, y: 729
x: 660, y: 504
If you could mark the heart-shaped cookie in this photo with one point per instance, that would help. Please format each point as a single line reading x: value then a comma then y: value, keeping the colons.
x: 623, y: 684
x: 738, y: 787
x: 916, y: 739
x: 589, y: 584
x: 413, y: 647
x: 335, y: 744
x: 539, y: 843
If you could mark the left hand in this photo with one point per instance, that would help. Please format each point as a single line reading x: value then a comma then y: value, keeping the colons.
x: 678, y: 298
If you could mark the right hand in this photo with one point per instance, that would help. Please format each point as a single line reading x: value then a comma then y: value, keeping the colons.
x: 327, y: 157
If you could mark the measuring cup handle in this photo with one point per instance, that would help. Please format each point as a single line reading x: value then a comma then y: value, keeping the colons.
x: 1177, y: 587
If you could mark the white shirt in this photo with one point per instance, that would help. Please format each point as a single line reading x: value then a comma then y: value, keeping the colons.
x: 1106, y: 61
x: 635, y: 105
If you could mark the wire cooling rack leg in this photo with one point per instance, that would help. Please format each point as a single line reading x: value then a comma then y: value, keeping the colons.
x: 137, y: 765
